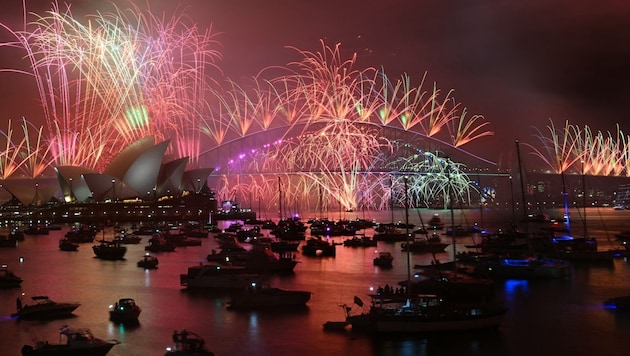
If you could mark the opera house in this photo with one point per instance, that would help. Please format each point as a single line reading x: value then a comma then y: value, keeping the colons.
x: 140, y: 183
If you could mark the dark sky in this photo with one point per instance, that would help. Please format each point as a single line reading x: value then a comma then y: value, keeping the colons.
x: 518, y: 64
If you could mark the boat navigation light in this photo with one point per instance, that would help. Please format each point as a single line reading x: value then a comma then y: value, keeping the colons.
x: 253, y: 284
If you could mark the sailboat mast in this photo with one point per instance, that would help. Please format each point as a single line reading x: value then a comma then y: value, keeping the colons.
x: 481, y: 201
x: 450, y: 198
x: 584, y: 198
x: 520, y: 174
x: 566, y: 204
x: 391, y: 197
x: 280, y: 197
x: 407, y: 232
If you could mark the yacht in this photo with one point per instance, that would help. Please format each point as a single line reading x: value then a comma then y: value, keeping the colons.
x: 216, y: 276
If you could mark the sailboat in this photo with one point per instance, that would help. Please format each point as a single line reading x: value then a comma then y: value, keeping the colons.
x: 444, y: 280
x: 576, y: 249
x: 528, y: 267
x: 391, y: 232
x: 402, y: 311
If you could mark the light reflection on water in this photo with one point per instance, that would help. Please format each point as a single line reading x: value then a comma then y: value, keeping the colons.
x: 575, y: 305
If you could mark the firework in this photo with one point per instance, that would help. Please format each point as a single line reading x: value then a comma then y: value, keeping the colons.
x: 579, y: 150
x: 124, y: 75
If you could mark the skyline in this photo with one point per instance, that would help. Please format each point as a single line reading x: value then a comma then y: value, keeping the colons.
x: 484, y: 55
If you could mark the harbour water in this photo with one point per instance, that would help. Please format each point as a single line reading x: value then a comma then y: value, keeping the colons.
x: 545, y: 317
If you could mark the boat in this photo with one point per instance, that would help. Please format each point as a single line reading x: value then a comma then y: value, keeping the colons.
x: 145, y: 230
x: 36, y: 230
x: 574, y: 249
x: 523, y: 268
x: 360, y: 241
x: 217, y: 276
x: 66, y: 244
x: 431, y: 244
x: 8, y: 279
x: 425, y: 313
x: 435, y: 223
x: 623, y: 235
x: 264, y: 296
x: 316, y: 247
x: 158, y: 243
x: 336, y: 326
x: 124, y: 310
x: 16, y: 234
x: 259, y: 259
x: 451, y: 284
x: 44, y: 308
x: 148, y: 262
x: 621, y: 303
x: 8, y: 241
x: 77, y: 342
x: 383, y: 259
x: 81, y: 234
x: 284, y: 246
x: 289, y: 230
x: 197, y: 232
x: 129, y: 239
x: 181, y: 240
x: 231, y: 210
x: 187, y: 343
x: 391, y: 234
x: 459, y: 231
x: 109, y: 250
x: 398, y: 310
x: 509, y: 240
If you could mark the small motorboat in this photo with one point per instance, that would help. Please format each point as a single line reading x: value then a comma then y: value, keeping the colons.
x: 124, y: 310
x: 77, y: 342
x: 44, y: 308
x: 66, y: 244
x: 7, y: 241
x: 621, y: 303
x: 264, y: 296
x: 188, y: 343
x: 130, y: 239
x: 8, y: 279
x: 148, y: 262
x: 384, y: 259
x: 157, y: 243
x: 109, y: 250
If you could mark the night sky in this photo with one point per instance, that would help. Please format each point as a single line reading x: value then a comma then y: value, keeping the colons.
x: 519, y: 64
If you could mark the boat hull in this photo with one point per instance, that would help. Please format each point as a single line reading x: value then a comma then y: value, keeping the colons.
x: 271, y: 298
x: 217, y: 277
x: 415, y: 324
x: 65, y: 350
x: 37, y: 312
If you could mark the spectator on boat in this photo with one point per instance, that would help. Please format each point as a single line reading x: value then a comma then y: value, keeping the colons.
x: 18, y: 303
